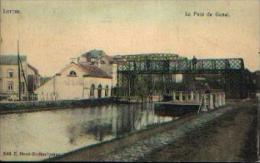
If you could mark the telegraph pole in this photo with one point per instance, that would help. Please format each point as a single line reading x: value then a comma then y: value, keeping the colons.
x: 259, y: 61
x: 258, y: 108
x: 19, y: 72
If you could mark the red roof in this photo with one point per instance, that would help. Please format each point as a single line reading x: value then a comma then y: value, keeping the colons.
x: 93, y: 71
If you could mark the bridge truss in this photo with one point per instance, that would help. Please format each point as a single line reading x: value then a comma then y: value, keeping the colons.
x: 154, y: 74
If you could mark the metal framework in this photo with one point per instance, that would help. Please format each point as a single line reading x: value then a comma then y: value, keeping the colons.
x: 154, y: 73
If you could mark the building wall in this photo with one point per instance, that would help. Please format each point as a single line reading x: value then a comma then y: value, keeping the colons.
x: 114, y: 75
x: 66, y: 87
x: 72, y: 88
x: 103, y: 62
x: 5, y: 79
x: 89, y: 81
x: 66, y: 71
x: 69, y: 87
x: 105, y: 65
x: 46, y: 91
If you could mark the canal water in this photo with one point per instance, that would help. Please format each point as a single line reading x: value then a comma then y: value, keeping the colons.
x: 40, y: 135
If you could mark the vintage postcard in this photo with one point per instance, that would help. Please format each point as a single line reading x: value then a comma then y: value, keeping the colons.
x: 129, y: 80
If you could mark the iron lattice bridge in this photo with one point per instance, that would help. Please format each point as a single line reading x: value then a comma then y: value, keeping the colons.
x: 181, y: 66
x: 136, y: 72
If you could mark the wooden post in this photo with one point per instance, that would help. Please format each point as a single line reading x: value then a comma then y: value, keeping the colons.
x: 19, y: 72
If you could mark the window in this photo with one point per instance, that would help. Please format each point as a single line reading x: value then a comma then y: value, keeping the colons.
x: 10, y: 73
x: 73, y: 74
x: 10, y: 86
x: 92, y: 90
x: 106, y: 91
x: 99, y: 91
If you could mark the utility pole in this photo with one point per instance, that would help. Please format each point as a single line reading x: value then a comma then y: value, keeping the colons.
x: 258, y: 68
x: 258, y: 109
x: 19, y: 72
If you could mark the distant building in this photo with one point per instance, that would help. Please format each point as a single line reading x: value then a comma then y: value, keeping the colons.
x: 77, y: 81
x: 101, y: 60
x: 9, y: 82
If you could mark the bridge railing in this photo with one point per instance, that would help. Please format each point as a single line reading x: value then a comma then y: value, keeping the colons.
x: 208, y: 101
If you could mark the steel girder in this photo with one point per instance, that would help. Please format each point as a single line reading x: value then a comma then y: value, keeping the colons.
x: 181, y: 66
x: 137, y: 70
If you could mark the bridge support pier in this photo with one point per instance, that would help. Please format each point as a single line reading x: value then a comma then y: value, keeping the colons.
x: 216, y: 100
x: 180, y: 97
x: 187, y: 97
x: 222, y: 97
x: 192, y: 96
x: 211, y: 100
x: 219, y: 99
x: 197, y: 97
x: 205, y: 106
x: 174, y: 96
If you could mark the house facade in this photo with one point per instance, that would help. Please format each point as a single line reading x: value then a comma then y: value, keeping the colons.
x: 101, y: 60
x: 9, y: 78
x: 77, y: 81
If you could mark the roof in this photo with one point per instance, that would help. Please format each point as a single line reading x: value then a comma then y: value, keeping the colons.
x: 90, y: 71
x: 93, y: 71
x: 97, y: 54
x: 94, y: 54
x: 11, y: 59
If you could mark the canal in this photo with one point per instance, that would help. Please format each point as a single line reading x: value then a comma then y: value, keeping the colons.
x: 44, y: 134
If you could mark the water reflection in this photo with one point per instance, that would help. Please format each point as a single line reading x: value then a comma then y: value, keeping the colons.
x: 61, y: 131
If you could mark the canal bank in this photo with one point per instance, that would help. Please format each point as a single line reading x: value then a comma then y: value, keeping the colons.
x: 32, y: 106
x: 144, y: 144
x: 72, y: 128
x: 231, y: 137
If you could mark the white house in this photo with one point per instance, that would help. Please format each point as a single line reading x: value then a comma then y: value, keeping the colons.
x: 77, y: 81
x: 9, y: 78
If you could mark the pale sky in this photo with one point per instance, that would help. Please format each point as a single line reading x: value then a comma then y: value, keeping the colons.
x: 52, y: 32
